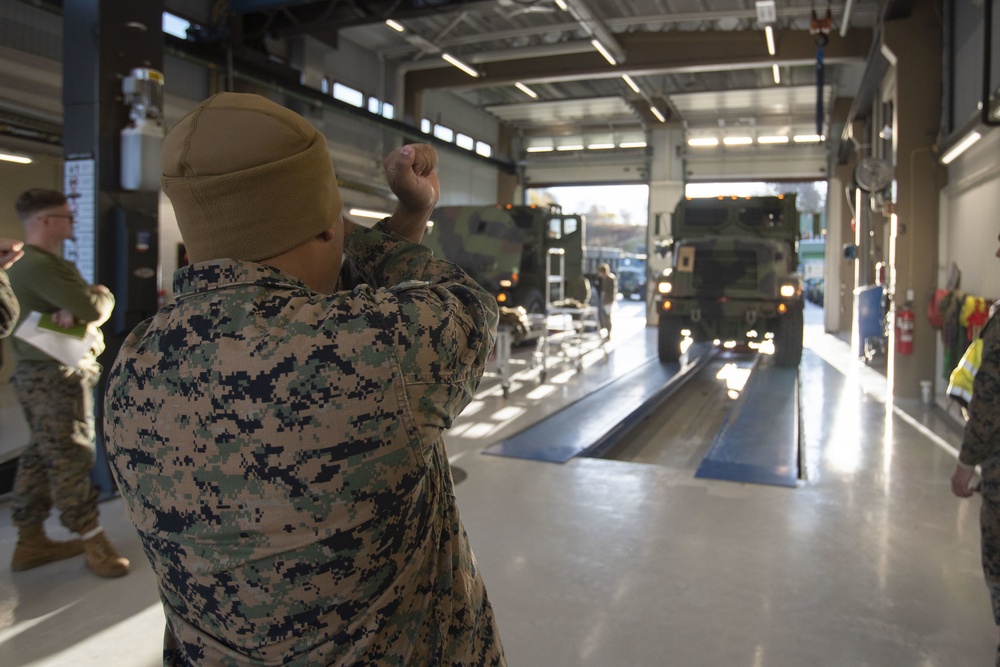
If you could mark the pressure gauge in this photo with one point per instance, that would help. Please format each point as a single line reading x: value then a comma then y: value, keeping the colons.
x: 873, y: 174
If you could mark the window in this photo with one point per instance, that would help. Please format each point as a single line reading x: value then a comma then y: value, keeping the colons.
x: 425, y: 126
x: 347, y: 94
x: 484, y: 149
x: 465, y: 141
x: 175, y: 25
x: 443, y: 132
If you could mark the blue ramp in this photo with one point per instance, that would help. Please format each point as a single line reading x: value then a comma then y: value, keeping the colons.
x: 593, y: 422
x: 759, y: 443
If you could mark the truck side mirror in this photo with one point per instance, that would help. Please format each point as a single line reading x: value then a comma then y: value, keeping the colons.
x: 850, y: 252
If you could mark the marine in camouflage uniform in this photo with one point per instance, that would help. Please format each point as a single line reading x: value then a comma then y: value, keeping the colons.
x: 981, y: 447
x: 280, y: 452
x: 57, y: 400
x: 9, y: 308
x: 10, y: 252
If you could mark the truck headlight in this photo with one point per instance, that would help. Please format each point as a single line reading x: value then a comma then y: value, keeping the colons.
x: 788, y: 290
x: 664, y: 288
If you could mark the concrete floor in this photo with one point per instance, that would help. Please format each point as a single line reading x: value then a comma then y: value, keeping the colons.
x: 596, y: 563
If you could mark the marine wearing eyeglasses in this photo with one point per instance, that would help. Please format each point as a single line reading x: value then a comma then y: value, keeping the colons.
x: 57, y: 400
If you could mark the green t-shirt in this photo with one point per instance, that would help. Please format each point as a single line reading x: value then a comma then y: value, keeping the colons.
x: 46, y: 283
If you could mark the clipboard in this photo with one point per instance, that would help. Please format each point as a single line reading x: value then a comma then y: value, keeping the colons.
x: 67, y: 346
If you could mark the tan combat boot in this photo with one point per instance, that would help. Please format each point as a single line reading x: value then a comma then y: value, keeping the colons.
x: 34, y: 548
x: 101, y: 557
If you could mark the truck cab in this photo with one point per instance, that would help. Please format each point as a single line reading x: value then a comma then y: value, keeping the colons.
x: 733, y: 276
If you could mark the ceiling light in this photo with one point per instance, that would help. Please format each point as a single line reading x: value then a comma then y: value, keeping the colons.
x: 737, y: 141
x: 599, y: 147
x: 632, y: 144
x: 807, y: 138
x: 570, y: 147
x: 603, y: 51
x: 527, y: 91
x: 16, y: 159
x: 540, y: 149
x: 776, y: 73
x: 362, y: 213
x: 960, y: 147
x: 766, y: 11
x: 395, y: 26
x: 775, y: 139
x: 460, y: 65
x: 703, y: 141
x: 769, y: 34
x: 631, y: 83
x: 562, y: 5
x: 656, y: 112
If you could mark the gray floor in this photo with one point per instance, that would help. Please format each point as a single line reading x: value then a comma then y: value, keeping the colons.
x: 870, y: 561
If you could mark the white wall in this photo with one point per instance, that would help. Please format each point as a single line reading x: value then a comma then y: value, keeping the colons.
x: 971, y: 225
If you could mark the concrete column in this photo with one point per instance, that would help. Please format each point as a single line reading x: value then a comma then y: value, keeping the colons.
x: 914, y: 44
x: 666, y: 188
x: 117, y: 230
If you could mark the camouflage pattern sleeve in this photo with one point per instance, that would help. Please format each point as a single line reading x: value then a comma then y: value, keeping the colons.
x: 9, y: 309
x: 981, y: 443
x: 443, y: 322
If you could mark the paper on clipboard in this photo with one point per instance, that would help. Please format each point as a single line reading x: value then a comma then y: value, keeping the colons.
x: 67, y: 346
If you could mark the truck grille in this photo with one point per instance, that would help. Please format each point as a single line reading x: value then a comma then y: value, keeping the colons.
x: 725, y: 270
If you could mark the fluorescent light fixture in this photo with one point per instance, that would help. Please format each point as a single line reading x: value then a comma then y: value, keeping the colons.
x: 600, y: 147
x: 807, y: 138
x: 570, y: 147
x: 460, y: 65
x: 703, y: 141
x: 656, y: 112
x: 776, y: 73
x: 766, y: 11
x: 774, y: 139
x: 362, y: 213
x: 769, y: 34
x: 632, y: 144
x: 561, y: 4
x: 603, y: 51
x: 527, y: 91
x: 631, y: 83
x: 960, y: 147
x: 16, y: 159
x: 737, y: 141
x: 540, y: 149
x: 396, y: 26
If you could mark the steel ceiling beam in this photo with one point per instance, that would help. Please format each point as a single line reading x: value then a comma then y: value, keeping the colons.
x: 649, y: 54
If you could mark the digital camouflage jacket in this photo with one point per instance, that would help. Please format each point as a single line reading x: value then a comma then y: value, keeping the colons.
x: 280, y: 453
x: 981, y: 443
x: 9, y: 309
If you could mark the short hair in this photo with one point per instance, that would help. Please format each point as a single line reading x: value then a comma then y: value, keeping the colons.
x: 37, y: 199
x: 604, y: 267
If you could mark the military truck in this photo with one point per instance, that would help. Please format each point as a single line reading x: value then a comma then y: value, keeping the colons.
x: 732, y: 276
x: 506, y: 249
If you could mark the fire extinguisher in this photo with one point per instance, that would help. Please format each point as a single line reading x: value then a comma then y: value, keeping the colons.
x: 904, y: 330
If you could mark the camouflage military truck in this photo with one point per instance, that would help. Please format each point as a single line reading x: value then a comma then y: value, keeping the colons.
x: 504, y: 248
x: 733, y: 276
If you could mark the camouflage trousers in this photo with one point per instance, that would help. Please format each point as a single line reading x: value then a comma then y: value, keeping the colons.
x: 604, y: 316
x: 54, y: 470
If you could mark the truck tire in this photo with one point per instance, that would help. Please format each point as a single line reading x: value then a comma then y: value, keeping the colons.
x: 669, y: 340
x: 788, y: 341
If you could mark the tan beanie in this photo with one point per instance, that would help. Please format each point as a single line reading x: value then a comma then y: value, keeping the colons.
x: 248, y: 178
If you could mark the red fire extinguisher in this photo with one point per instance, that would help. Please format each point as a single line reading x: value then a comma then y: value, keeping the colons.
x: 904, y: 330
